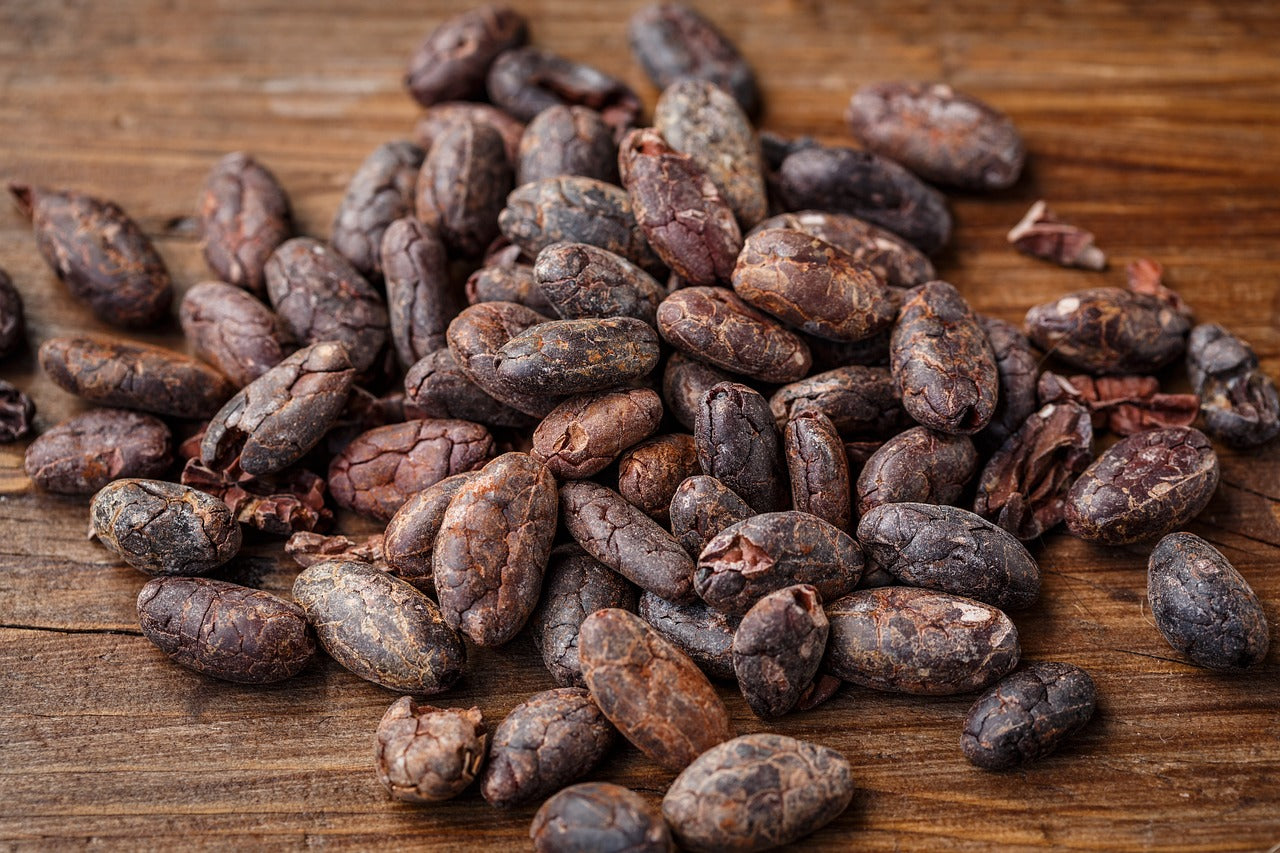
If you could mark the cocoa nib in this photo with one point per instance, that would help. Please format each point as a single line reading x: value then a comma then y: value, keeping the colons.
x: 1042, y: 234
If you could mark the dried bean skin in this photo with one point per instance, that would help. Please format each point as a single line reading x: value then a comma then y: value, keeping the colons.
x: 576, y: 585
x: 737, y: 444
x: 704, y: 634
x: 411, y: 533
x: 379, y: 627
x: 818, y: 467
x: 862, y: 184
x: 82, y: 454
x: 1143, y: 487
x: 244, y: 215
x: 943, y: 362
x: 564, y: 140
x: 1238, y: 401
x: 225, y: 630
x: 440, y: 117
x: 492, y: 548
x: 380, y: 469
x: 702, y: 507
x: 527, y: 80
x: 233, y: 331
x: 577, y: 356
x: 546, y: 742
x: 320, y: 297
x: 436, y: 387
x: 1018, y: 369
x: 272, y: 422
x: 685, y: 381
x: 580, y: 280
x: 425, y: 754
x: 778, y: 647
x: 1109, y: 330
x: 698, y: 118
x: 942, y: 135
x: 1025, y: 716
x: 100, y: 253
x: 380, y: 192
x: 861, y: 401
x: 919, y: 641
x: 626, y: 540
x: 892, y: 260
x: 686, y: 221
x: 650, y: 690
x: 420, y: 297
x: 575, y: 209
x: 586, y: 433
x: 812, y: 285
x: 650, y: 473
x: 1122, y: 404
x: 477, y: 334
x: 951, y: 550
x: 12, y: 325
x: 766, y: 552
x: 1203, y: 606
x: 463, y: 185
x: 453, y: 62
x: 918, y: 465
x: 511, y: 283
x: 757, y: 792
x: 164, y: 528
x: 673, y: 42
x: 599, y: 817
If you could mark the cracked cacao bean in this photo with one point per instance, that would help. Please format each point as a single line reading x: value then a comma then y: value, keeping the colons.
x: 1237, y: 400
x: 307, y: 548
x: 462, y: 186
x: 892, y: 260
x: 737, y: 444
x: 585, y: 434
x: 599, y: 817
x: 1123, y: 404
x: 650, y: 473
x: 380, y: 192
x: 453, y: 61
x: 862, y: 402
x: 577, y: 356
x: 477, y: 334
x: 233, y: 331
x: 527, y: 80
x: 702, y: 507
x: 919, y: 465
x: 818, y: 467
x: 580, y: 280
x: 1027, y: 715
x: 704, y: 634
x: 436, y: 387
x: 163, y: 528
x: 425, y: 754
x: 778, y: 647
x: 673, y: 42
x: 421, y: 300
x: 82, y: 454
x: 1109, y: 330
x: 244, y: 217
x: 410, y: 536
x: 564, y: 140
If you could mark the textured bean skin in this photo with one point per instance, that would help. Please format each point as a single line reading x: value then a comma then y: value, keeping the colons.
x: 869, y: 187
x: 737, y: 444
x: 528, y: 80
x: 1018, y: 369
x: 577, y: 356
x: 1203, y: 606
x: 918, y: 465
x: 382, y: 468
x: 576, y: 585
x: 673, y: 42
x: 225, y: 630
x: 82, y: 454
x: 580, y: 280
x: 702, y: 507
x: 1143, y: 487
x: 492, y: 548
x: 233, y: 331
x: 586, y: 433
x: 576, y: 210
x: 477, y: 334
x: 320, y: 297
x: 862, y: 402
x: 440, y: 117
x: 100, y: 253
x: 952, y: 550
x: 421, y: 299
x: 942, y: 135
x: 943, y: 363
x: 244, y: 215
x: 757, y: 792
x: 380, y: 192
x: 425, y: 754
x: 1109, y: 330
x: 272, y: 422
x: 650, y: 473
x: 599, y: 817
x: 818, y: 467
x: 379, y: 627
x: 1027, y: 715
x: 12, y: 324
x: 698, y: 118
x: 750, y: 559
x: 1238, y: 401
x: 453, y: 61
x: 626, y: 540
x: 685, y: 381
x: 812, y: 285
x: 564, y: 140
x: 463, y: 185
x: 650, y: 690
x: 436, y: 387
x: 778, y: 647
x: 513, y: 282
x: 686, y: 221
x: 919, y: 641
x: 410, y: 537
x: 164, y: 528
x: 892, y: 260
x: 546, y: 742
x: 705, y: 635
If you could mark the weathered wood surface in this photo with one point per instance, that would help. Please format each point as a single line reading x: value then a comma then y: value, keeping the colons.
x: 1152, y: 124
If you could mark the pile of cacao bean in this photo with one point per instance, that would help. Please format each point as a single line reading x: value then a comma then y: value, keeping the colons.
x: 686, y: 401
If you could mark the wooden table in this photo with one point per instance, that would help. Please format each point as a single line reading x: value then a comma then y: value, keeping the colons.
x: 1158, y: 127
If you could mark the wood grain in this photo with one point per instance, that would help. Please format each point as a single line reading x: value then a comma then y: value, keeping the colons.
x: 1153, y: 124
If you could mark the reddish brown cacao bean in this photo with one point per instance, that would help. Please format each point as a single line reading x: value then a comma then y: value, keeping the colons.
x: 244, y: 216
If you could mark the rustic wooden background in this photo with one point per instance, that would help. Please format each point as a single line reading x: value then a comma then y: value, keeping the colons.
x: 1156, y: 125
